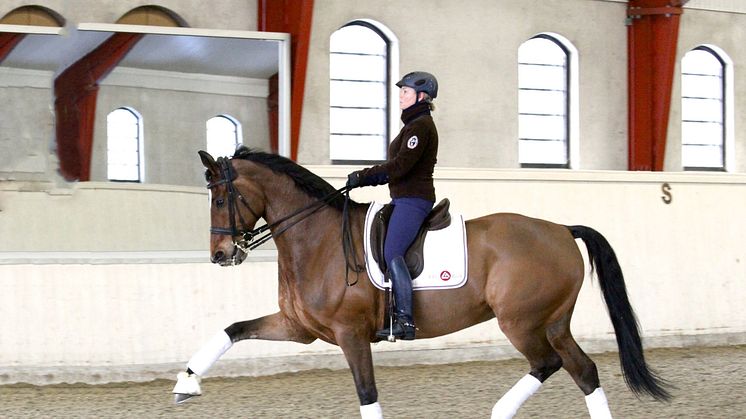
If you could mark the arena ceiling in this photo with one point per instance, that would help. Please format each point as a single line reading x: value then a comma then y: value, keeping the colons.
x: 215, y: 55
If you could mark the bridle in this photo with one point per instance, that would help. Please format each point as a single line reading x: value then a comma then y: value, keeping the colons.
x: 247, y: 236
x: 248, y: 239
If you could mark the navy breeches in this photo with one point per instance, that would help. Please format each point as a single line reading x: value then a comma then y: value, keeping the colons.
x: 406, y: 220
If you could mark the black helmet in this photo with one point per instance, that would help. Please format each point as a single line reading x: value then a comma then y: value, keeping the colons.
x: 420, y: 81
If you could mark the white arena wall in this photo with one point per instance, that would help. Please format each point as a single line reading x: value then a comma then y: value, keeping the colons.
x: 111, y: 282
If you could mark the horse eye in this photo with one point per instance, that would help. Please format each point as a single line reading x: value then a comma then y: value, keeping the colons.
x: 219, y: 202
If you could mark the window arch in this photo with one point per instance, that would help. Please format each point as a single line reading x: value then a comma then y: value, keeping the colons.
x: 124, y: 145
x: 34, y: 16
x: 359, y: 96
x: 547, y: 106
x: 704, y: 105
x: 223, y: 135
x: 153, y: 16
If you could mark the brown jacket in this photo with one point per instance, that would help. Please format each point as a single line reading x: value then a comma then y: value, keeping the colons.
x: 412, y: 157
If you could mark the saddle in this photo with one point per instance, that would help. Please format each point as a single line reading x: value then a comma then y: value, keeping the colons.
x: 439, y: 218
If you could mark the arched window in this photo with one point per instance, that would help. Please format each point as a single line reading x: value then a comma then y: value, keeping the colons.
x: 152, y: 15
x: 124, y: 145
x: 223, y: 135
x: 34, y: 16
x: 703, y: 110
x: 359, y: 93
x: 544, y: 102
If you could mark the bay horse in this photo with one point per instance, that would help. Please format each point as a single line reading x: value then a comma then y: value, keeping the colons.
x: 525, y: 272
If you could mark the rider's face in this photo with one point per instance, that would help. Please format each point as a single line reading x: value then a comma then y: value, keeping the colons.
x: 407, y: 97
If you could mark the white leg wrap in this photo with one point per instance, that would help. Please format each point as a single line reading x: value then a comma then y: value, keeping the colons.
x: 371, y: 411
x: 508, y: 405
x: 597, y: 404
x: 209, y: 353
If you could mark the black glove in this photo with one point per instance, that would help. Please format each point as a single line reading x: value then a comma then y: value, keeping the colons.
x: 354, y: 179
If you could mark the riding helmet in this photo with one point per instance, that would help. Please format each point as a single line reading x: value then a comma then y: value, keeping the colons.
x: 420, y: 81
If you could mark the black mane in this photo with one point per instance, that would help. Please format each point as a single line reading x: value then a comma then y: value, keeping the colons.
x: 304, y: 179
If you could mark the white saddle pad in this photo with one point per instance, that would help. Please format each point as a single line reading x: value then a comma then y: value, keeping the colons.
x: 445, y: 256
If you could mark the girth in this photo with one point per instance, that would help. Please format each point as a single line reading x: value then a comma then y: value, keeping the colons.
x: 438, y: 218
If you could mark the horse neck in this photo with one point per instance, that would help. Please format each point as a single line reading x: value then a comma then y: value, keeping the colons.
x: 280, y: 202
x: 283, y: 198
x: 317, y: 236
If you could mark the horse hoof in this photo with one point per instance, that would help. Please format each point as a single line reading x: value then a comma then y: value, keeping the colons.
x: 181, y: 398
x: 187, y: 386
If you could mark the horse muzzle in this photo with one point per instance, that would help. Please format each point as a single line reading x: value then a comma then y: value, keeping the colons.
x: 223, y: 259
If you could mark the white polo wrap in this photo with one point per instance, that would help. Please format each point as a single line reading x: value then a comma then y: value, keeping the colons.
x: 209, y: 353
x: 371, y: 411
x: 508, y: 405
x: 597, y: 404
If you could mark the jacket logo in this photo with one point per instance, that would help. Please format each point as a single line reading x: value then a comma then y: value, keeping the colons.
x: 412, y: 142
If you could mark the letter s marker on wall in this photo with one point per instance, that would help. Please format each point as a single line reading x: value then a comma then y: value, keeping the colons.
x: 667, y: 196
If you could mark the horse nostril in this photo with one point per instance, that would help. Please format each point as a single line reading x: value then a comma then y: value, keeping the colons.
x: 219, y: 256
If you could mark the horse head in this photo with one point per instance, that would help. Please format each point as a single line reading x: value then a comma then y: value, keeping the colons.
x: 232, y: 217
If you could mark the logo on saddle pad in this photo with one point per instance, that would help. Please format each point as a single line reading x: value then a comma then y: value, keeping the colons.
x: 437, y: 259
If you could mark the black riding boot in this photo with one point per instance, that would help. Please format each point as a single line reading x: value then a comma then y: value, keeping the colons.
x: 403, y: 327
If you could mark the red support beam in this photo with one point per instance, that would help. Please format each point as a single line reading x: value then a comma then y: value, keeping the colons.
x: 75, y: 92
x: 8, y: 41
x: 293, y: 17
x: 652, y: 36
x: 273, y: 103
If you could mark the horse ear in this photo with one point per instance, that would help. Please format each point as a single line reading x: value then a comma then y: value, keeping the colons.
x: 208, y: 161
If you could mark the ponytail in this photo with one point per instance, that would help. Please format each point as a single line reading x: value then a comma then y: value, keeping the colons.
x: 429, y: 101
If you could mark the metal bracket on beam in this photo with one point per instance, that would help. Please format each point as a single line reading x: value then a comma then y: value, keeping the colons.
x: 639, y: 12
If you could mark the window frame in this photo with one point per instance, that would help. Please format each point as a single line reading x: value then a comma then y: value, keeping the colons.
x: 282, y: 39
x: 727, y: 110
x: 238, y: 131
x: 390, y: 43
x: 571, y: 102
x: 140, y: 146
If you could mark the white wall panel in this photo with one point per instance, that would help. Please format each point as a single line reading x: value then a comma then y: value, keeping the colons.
x: 125, y: 313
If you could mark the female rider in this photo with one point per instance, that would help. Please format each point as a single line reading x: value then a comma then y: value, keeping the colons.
x: 409, y: 173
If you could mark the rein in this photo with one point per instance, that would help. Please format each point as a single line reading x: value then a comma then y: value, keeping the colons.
x: 348, y: 244
x: 253, y: 238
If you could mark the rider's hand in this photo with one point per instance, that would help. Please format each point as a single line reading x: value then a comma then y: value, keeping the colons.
x: 354, y: 179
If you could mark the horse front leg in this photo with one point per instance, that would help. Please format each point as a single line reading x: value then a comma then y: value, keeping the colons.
x: 360, y: 359
x: 273, y: 327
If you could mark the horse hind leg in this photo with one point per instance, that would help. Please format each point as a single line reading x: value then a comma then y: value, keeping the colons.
x: 544, y: 362
x: 581, y: 368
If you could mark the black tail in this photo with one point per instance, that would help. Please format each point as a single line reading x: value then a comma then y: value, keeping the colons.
x: 639, y: 378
